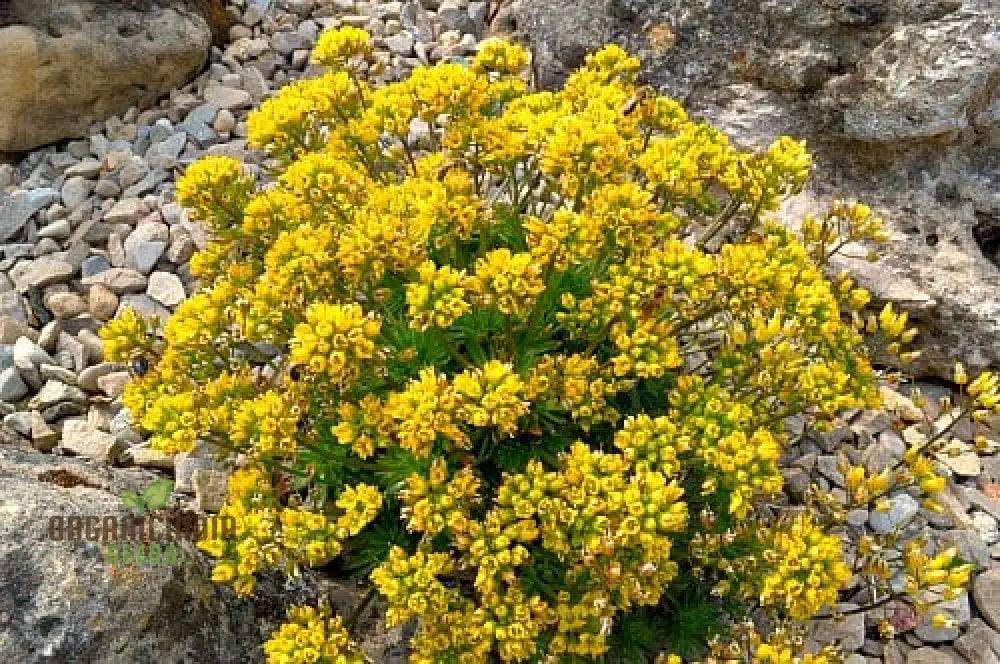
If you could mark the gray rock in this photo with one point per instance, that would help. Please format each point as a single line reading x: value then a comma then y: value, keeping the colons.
x: 181, y: 250
x: 970, y: 547
x: 228, y: 98
x: 454, y: 17
x: 185, y: 464
x: 67, y: 56
x: 58, y: 230
x: 28, y: 354
x: 143, y: 613
x: 121, y: 426
x: 113, y: 384
x: 89, y: 376
x: 19, y: 421
x: 66, y: 305
x: 401, y: 44
x: 169, y: 148
x: 142, y: 256
x: 92, y: 265
x: 43, y: 437
x: 54, y: 392
x: 12, y: 306
x: 284, y: 43
x: 924, y: 80
x: 57, y: 373
x: 88, y: 168
x: 902, y: 509
x: 75, y: 191
x: 133, y: 170
x: 12, y: 387
x: 848, y: 633
x: 103, y: 303
x: 146, y: 457
x: 986, y: 526
x: 16, y: 209
x: 144, y: 306
x: 224, y: 122
x: 927, y: 655
x: 986, y: 593
x: 80, y: 438
x: 92, y: 345
x: 42, y: 272
x: 209, y: 488
x: 49, y: 335
x: 957, y: 609
x: 12, y: 329
x: 126, y: 211
x: 979, y: 644
x: 119, y: 280
x: 166, y: 289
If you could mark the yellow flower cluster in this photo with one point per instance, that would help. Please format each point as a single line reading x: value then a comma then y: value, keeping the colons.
x: 574, y: 384
x: 508, y: 281
x: 491, y: 396
x: 423, y: 411
x: 410, y: 584
x: 364, y: 426
x: 437, y: 502
x: 312, y: 636
x: 217, y: 189
x: 438, y: 298
x: 527, y: 355
x: 127, y: 336
x: 333, y: 341
x: 809, y: 568
x: 269, y: 535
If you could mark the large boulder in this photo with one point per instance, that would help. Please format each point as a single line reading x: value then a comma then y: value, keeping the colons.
x: 898, y: 99
x: 60, y: 601
x: 70, y: 63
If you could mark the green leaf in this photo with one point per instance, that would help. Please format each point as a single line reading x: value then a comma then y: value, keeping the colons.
x: 157, y: 493
x: 132, y: 501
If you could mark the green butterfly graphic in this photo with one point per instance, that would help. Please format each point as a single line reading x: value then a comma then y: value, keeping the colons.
x: 154, y: 497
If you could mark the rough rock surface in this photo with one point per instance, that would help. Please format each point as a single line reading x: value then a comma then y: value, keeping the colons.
x: 60, y: 601
x: 96, y: 58
x: 900, y: 103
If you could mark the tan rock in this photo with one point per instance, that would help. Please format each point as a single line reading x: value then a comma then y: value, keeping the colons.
x: 67, y: 65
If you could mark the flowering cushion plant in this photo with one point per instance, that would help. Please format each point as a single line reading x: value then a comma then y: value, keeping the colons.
x: 523, y: 360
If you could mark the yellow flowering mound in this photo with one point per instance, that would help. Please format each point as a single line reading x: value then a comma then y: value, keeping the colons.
x: 522, y: 359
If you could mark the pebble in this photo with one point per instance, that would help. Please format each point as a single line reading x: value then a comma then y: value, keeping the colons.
x: 903, y: 508
x: 29, y: 355
x: 66, y: 305
x: 225, y: 122
x: 54, y: 392
x: 42, y: 272
x: 209, y: 488
x: 166, y: 289
x: 75, y: 191
x: 227, y: 98
x: 119, y: 280
x: 146, y: 457
x: 43, y: 437
x: 113, y: 384
x: 125, y: 211
x: 88, y: 377
x: 12, y: 387
x: 102, y: 302
x: 81, y: 439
